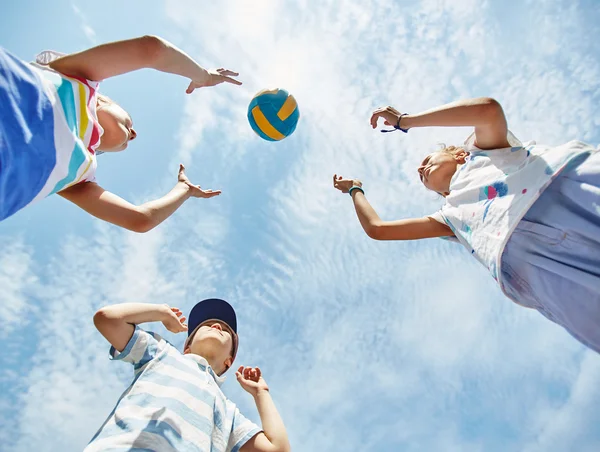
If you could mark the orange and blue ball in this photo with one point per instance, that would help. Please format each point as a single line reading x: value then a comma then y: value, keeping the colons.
x: 273, y: 114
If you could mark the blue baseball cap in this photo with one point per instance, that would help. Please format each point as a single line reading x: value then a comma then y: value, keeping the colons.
x: 212, y: 309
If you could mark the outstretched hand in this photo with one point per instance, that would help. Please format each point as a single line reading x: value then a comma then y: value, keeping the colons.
x: 214, y: 77
x: 195, y: 190
x: 344, y: 185
x: 174, y: 320
x: 389, y: 114
x: 250, y: 378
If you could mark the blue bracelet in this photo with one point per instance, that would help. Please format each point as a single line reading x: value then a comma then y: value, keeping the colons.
x: 355, y: 187
x: 397, y: 126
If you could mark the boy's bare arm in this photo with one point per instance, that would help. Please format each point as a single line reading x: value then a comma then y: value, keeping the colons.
x: 117, y: 322
x: 274, y: 437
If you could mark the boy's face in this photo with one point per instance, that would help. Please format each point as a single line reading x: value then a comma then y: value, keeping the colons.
x: 214, y: 341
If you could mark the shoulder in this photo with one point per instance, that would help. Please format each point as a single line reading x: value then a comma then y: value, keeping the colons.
x: 44, y: 60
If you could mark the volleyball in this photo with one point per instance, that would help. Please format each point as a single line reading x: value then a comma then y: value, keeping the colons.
x: 273, y: 114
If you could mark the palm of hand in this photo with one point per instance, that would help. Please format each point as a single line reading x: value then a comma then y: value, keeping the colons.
x: 174, y: 321
x: 195, y: 190
x: 344, y: 185
x: 389, y: 114
x: 214, y: 77
x: 251, y: 379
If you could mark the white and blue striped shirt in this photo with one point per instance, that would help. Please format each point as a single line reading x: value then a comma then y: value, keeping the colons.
x: 173, y: 404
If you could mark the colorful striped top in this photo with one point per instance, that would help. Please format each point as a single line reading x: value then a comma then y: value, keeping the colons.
x: 174, y: 403
x: 49, y: 131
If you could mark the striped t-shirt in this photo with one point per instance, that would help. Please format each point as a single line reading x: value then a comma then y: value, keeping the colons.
x: 49, y: 132
x: 174, y: 403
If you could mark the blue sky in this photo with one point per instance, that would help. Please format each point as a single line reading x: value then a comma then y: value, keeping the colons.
x: 366, y: 346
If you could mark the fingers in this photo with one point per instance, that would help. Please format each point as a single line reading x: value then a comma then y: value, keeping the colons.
x: 190, y: 88
x: 232, y: 81
x: 209, y: 193
x: 181, y: 168
x: 251, y: 373
x: 387, y: 113
x: 248, y: 373
x: 227, y: 76
x: 227, y: 72
x: 374, y: 118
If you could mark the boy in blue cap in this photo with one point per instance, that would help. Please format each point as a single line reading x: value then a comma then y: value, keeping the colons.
x: 174, y: 402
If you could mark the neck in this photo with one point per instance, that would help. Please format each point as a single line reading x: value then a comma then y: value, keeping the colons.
x: 212, y: 360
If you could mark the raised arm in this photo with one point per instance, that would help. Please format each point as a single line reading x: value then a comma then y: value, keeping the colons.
x: 120, y: 57
x: 274, y: 437
x: 117, y: 322
x: 483, y: 113
x: 408, y: 229
x: 111, y: 208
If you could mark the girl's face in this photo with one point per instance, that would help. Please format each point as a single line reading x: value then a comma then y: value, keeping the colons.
x: 437, y: 170
x: 117, y: 125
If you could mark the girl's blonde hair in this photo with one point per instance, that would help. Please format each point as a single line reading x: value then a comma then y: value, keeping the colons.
x: 104, y: 99
x: 450, y: 149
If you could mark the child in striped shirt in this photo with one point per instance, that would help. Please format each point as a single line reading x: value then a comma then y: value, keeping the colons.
x: 53, y: 124
x: 174, y: 402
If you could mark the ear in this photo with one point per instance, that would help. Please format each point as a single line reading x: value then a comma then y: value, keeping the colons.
x: 227, y: 363
x: 461, y: 157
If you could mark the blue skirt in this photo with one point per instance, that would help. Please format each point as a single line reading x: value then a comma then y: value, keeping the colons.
x: 552, y: 260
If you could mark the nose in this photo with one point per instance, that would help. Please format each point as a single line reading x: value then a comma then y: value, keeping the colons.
x: 217, y: 326
x: 132, y: 134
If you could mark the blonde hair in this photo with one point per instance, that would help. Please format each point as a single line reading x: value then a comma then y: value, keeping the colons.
x: 450, y: 149
x: 104, y: 99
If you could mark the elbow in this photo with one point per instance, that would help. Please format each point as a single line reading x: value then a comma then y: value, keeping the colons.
x: 152, y: 48
x: 140, y: 223
x: 102, y: 317
x: 491, y: 109
x: 375, y: 231
x: 283, y: 448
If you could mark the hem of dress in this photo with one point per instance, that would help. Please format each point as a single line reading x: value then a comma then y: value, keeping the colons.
x: 512, y: 229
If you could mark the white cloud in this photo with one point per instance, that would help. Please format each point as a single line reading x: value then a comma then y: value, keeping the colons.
x: 17, y: 280
x: 86, y: 28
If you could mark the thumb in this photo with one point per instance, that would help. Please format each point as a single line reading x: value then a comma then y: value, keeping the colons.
x: 181, y: 168
x: 190, y: 88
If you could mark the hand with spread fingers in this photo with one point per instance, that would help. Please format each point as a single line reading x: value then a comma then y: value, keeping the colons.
x: 250, y: 378
x: 174, y: 320
x: 213, y: 77
x: 195, y: 190
x: 344, y: 185
x: 389, y: 114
